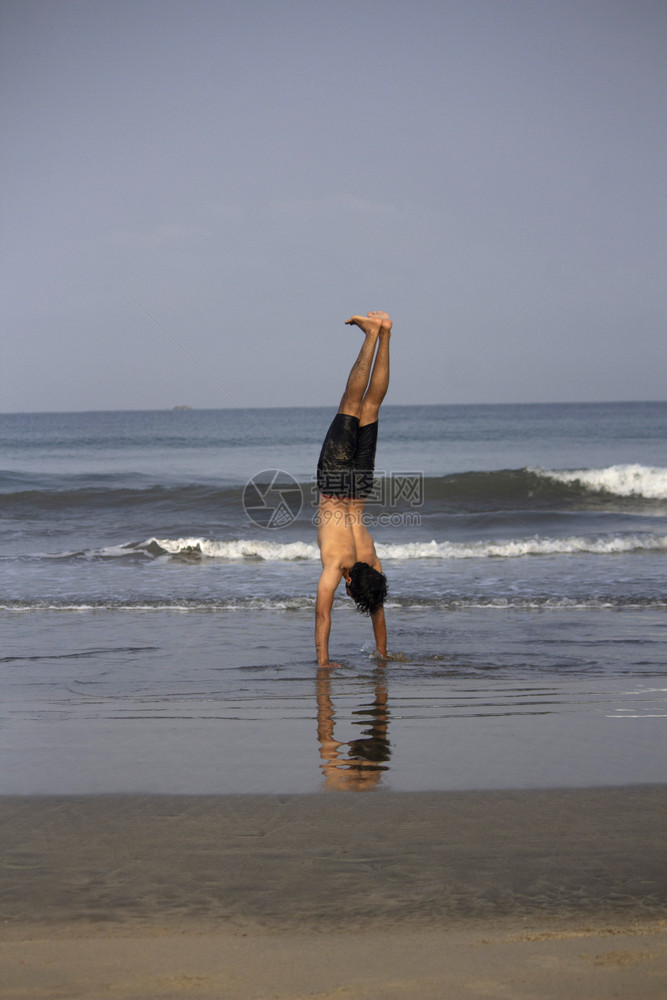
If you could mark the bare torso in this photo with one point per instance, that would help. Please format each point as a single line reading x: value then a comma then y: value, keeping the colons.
x: 342, y: 536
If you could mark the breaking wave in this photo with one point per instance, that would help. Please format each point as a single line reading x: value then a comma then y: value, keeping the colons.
x: 525, y: 488
x: 256, y: 550
x: 619, y: 480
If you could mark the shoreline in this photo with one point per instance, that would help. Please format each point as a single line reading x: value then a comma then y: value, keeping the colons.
x: 305, y: 860
x: 380, y: 896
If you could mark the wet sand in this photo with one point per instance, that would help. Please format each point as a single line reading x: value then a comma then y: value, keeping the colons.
x: 518, y: 894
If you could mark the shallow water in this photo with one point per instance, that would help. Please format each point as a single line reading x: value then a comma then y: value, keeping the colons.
x: 220, y: 702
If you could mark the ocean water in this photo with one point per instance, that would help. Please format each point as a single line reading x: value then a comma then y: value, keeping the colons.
x: 157, y: 581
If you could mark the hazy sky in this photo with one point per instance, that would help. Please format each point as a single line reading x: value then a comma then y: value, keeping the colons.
x: 198, y: 193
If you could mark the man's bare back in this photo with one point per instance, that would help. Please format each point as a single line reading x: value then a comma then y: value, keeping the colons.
x: 342, y: 535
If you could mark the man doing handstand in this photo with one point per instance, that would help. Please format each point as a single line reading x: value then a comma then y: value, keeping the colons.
x: 345, y: 479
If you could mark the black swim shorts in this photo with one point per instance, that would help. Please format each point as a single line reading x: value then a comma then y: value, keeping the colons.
x: 347, y: 460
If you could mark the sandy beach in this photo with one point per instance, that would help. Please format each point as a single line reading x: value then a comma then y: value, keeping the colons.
x: 503, y: 894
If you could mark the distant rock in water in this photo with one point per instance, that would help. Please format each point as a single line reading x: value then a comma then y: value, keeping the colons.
x: 182, y: 406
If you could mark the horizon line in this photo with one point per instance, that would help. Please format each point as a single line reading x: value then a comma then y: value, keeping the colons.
x: 186, y: 408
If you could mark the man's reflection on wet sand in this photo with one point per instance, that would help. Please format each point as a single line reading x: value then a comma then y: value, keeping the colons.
x: 357, y: 765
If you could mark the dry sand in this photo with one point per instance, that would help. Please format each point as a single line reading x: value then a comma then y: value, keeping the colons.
x: 516, y: 894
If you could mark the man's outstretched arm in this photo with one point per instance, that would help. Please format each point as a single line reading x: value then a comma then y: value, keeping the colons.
x: 326, y: 589
x: 380, y: 631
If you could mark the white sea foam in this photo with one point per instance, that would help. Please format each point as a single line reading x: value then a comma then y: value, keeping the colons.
x: 237, y: 549
x: 307, y: 603
x: 256, y: 549
x: 534, y: 546
x: 623, y: 480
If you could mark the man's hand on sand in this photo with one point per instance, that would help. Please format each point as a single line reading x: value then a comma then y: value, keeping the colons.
x: 374, y: 322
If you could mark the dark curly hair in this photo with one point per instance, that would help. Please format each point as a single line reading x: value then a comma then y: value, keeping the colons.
x: 367, y: 587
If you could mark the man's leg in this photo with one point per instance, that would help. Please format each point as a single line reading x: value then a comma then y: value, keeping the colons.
x: 340, y: 451
x: 364, y: 459
x: 358, y: 379
x: 379, y: 382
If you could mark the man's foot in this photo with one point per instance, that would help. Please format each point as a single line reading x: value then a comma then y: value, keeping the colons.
x: 373, y: 323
